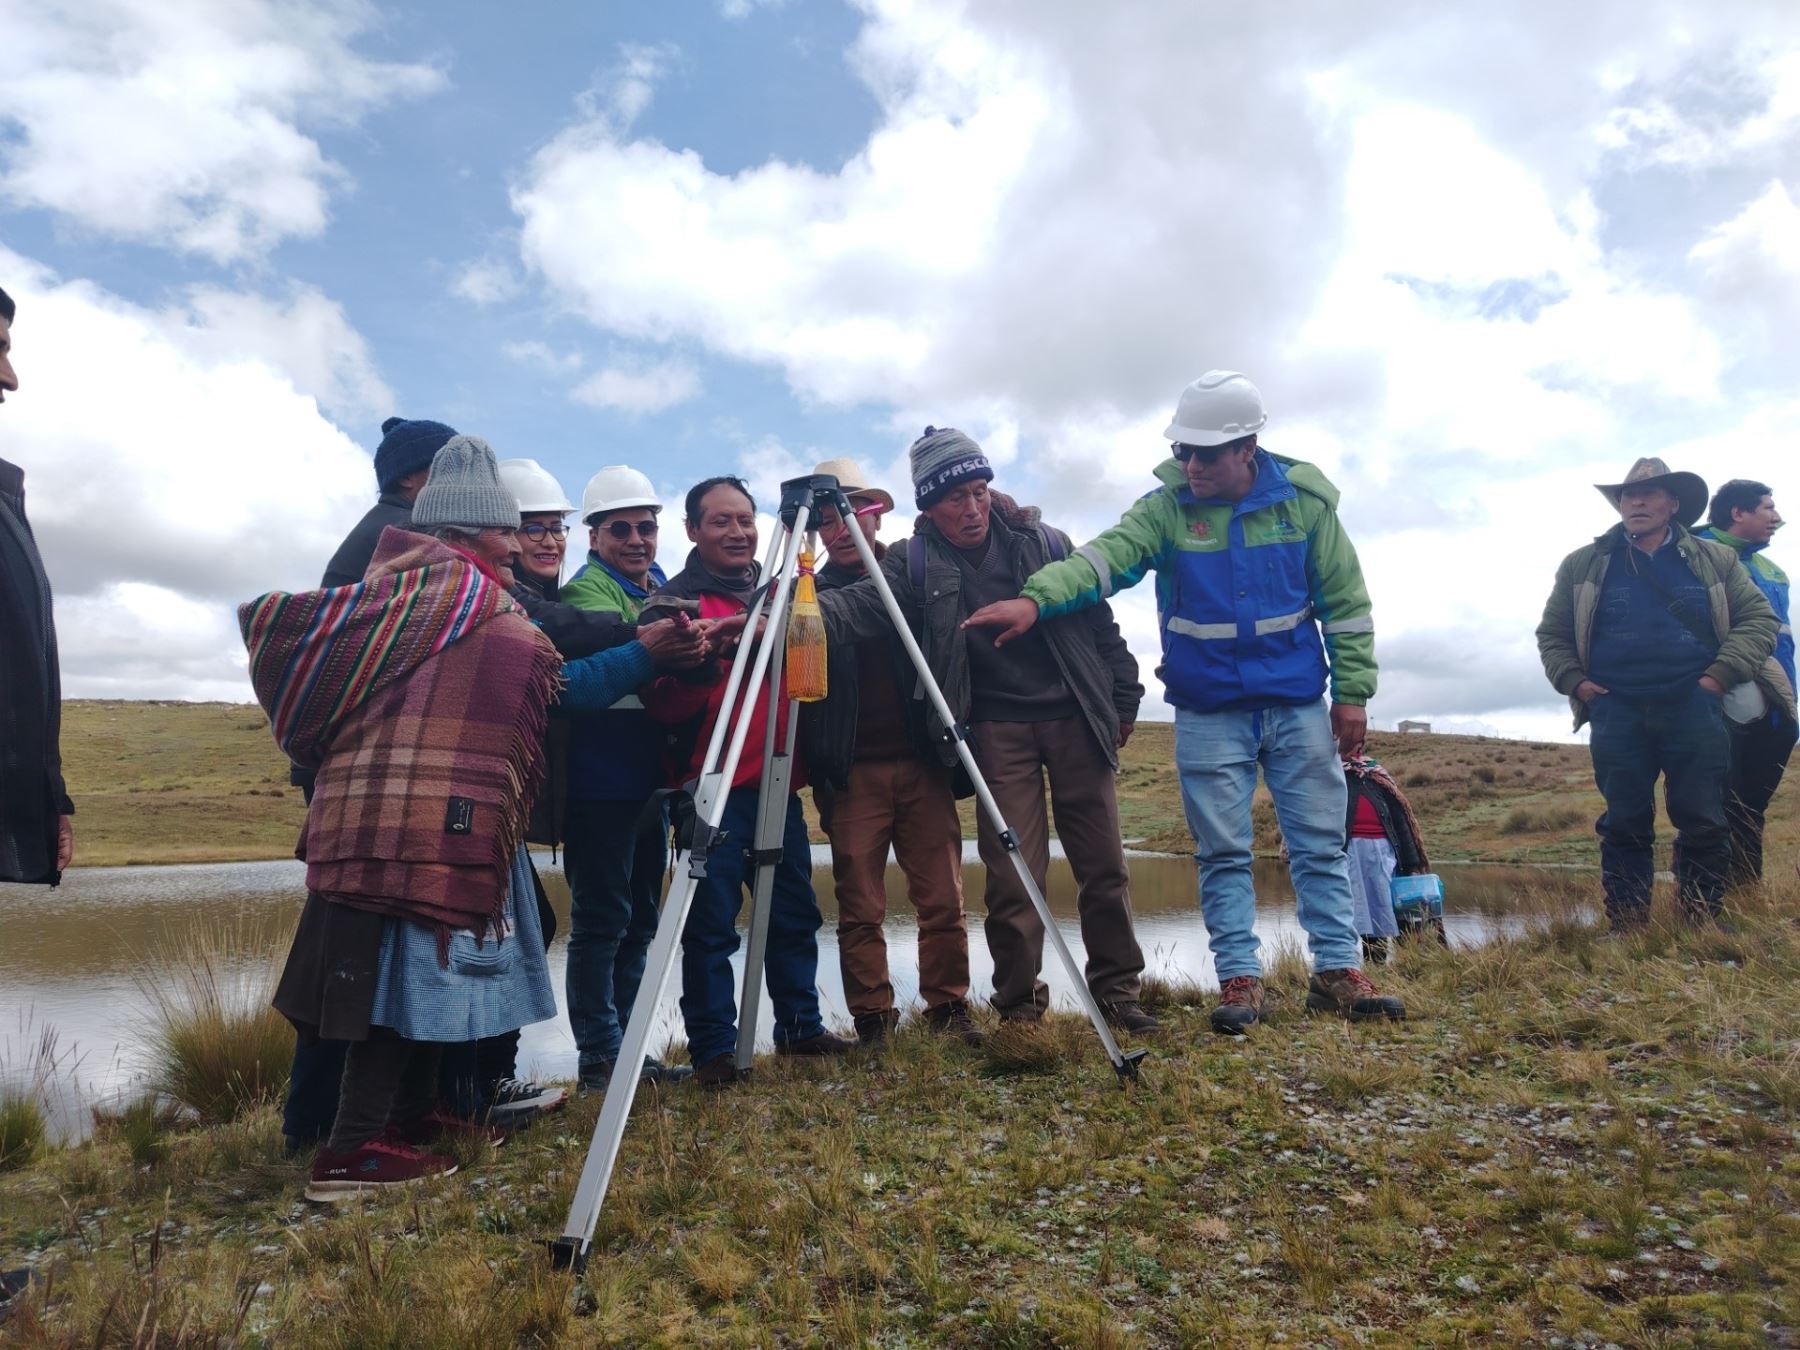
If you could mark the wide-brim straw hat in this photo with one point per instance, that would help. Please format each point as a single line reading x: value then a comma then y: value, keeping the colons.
x: 1689, y: 488
x: 854, y: 481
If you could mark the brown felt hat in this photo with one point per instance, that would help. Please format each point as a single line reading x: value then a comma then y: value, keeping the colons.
x: 1689, y: 488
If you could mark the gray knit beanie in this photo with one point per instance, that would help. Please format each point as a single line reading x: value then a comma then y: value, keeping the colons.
x: 464, y: 490
x: 943, y: 458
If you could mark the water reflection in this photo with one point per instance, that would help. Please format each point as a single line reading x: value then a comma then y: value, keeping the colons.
x: 71, y: 958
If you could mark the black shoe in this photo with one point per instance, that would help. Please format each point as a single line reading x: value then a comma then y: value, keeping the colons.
x: 1375, y: 951
x: 596, y: 1076
x: 1129, y: 1015
x: 1240, y: 1005
x: 518, y: 1101
x: 873, y: 1029
x: 952, y: 1019
x: 717, y: 1073
x: 822, y: 1044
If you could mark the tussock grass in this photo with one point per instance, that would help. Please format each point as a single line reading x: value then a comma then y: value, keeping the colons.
x: 1569, y: 1137
x: 218, y: 1047
x: 25, y: 1080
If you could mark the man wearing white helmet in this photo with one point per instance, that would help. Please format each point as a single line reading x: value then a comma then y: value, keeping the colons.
x: 614, y: 870
x: 1262, y: 605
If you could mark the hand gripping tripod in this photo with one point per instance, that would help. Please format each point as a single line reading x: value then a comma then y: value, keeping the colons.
x: 801, y: 500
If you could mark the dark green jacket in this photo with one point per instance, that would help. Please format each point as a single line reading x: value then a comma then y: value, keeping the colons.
x: 1090, y: 654
x: 1742, y: 620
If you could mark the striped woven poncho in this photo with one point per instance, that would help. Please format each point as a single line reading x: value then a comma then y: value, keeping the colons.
x: 421, y: 694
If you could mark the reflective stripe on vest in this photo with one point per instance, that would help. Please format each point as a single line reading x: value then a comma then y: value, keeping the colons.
x: 1102, y: 569
x: 1217, y: 632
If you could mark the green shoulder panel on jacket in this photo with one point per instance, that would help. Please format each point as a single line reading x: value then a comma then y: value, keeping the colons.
x: 594, y: 588
x: 1114, y: 560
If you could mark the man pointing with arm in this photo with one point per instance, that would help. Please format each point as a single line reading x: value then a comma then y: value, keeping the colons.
x: 1261, y: 604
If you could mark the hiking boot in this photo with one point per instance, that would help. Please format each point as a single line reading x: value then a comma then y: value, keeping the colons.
x: 717, y: 1073
x: 376, y: 1164
x: 1240, y: 1005
x: 597, y: 1075
x: 1350, y: 994
x: 1129, y: 1015
x: 822, y: 1044
x: 953, y: 1019
x: 873, y: 1029
x: 518, y: 1101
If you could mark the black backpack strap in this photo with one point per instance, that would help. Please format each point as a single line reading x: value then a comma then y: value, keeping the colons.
x: 915, y: 562
x: 1053, y: 544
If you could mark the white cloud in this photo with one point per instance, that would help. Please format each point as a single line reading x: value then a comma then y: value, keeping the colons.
x: 170, y: 476
x: 187, y: 125
x: 543, y: 356
x: 639, y: 388
x: 742, y: 9
x: 485, y: 281
x: 1053, y: 224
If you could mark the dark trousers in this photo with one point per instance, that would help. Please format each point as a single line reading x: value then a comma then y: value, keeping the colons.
x: 388, y: 1080
x: 791, y: 956
x: 1016, y: 758
x: 1682, y: 739
x: 615, y: 881
x: 1759, y: 755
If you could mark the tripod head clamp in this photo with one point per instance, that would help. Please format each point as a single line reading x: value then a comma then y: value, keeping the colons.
x: 813, y: 491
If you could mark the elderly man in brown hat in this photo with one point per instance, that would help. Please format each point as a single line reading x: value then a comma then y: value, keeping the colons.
x: 877, y: 782
x: 1645, y: 631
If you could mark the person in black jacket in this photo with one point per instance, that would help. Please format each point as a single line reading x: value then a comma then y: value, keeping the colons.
x: 37, y: 829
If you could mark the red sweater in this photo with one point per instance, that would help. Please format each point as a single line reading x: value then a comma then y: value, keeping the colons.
x: 681, y: 698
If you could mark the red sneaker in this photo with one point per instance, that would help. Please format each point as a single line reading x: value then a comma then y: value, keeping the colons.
x: 438, y: 1123
x: 378, y: 1163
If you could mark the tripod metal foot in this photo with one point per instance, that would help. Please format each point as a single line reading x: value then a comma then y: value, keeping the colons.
x: 567, y: 1253
x: 1127, y: 1067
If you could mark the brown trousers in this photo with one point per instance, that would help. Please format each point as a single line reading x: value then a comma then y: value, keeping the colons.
x: 908, y: 803
x: 1014, y: 758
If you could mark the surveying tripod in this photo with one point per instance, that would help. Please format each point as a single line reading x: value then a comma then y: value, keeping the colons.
x: 756, y: 669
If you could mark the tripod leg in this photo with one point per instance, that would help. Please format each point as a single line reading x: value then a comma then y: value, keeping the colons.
x: 1125, y: 1065
x: 771, y: 823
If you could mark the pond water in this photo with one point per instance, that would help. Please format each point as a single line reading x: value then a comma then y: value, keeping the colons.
x: 73, y: 961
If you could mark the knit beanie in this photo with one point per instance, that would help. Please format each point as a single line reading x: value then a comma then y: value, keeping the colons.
x: 465, y: 490
x: 406, y: 447
x: 943, y: 458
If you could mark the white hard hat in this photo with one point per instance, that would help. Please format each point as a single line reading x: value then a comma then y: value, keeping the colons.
x: 1220, y: 406
x: 535, y: 487
x: 613, y: 489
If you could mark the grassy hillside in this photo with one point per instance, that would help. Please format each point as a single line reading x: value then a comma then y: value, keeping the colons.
x: 203, y: 782
x: 1571, y: 1141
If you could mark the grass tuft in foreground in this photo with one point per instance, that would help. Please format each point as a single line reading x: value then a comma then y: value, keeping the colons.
x: 1572, y: 1138
x: 219, y: 1048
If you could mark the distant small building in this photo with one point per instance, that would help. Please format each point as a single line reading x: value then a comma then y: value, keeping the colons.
x: 1415, y: 726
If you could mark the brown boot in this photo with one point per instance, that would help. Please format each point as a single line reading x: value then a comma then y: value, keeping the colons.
x: 952, y: 1019
x: 717, y: 1073
x: 1240, y: 1005
x: 1349, y: 993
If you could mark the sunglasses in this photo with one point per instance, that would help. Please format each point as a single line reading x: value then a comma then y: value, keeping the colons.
x: 536, y: 532
x: 622, y: 529
x: 1206, y: 454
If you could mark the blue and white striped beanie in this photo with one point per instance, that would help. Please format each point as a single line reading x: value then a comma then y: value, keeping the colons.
x: 942, y: 459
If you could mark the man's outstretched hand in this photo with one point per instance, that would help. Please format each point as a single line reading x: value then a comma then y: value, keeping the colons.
x: 1350, y: 725
x: 1013, y: 618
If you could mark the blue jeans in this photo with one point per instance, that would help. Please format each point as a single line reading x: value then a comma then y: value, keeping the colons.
x: 791, y: 958
x: 615, y: 881
x: 1217, y: 755
x: 1682, y: 738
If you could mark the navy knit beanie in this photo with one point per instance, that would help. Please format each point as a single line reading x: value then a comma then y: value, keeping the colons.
x: 407, y: 446
x: 943, y: 458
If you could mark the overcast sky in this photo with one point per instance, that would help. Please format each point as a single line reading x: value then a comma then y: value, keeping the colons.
x: 1477, y: 259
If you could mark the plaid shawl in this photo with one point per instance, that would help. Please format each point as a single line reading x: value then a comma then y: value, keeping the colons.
x: 421, y: 693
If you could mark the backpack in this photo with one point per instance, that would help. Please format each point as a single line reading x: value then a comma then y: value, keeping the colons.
x: 915, y: 554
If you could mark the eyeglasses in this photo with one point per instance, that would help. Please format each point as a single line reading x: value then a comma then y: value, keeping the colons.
x: 536, y: 532
x: 622, y: 529
x: 1207, y: 454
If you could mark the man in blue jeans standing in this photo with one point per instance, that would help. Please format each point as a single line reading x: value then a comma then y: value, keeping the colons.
x: 1646, y: 630
x: 1261, y: 603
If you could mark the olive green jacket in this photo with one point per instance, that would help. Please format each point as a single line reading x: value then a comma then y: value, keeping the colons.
x: 1742, y: 619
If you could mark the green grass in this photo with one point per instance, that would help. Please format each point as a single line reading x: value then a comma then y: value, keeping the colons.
x: 1570, y: 1137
